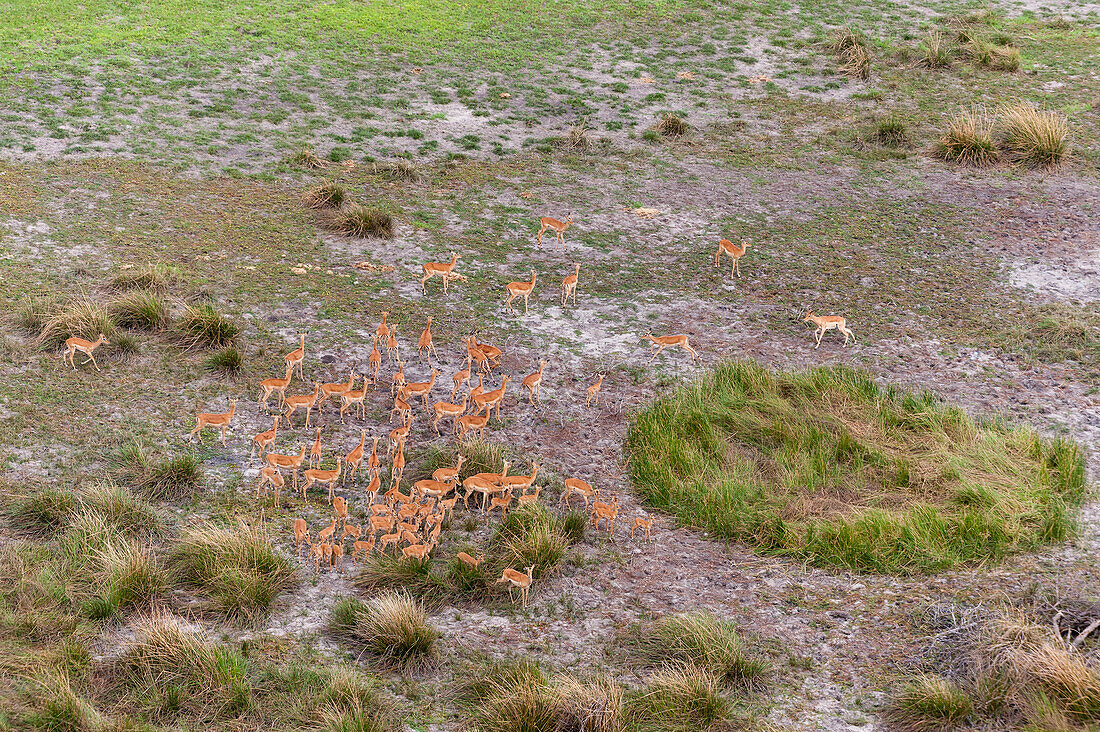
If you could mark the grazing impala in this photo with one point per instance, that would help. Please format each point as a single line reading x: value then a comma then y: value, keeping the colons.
x: 558, y: 227
x: 670, y: 341
x: 569, y: 285
x: 520, y: 289
x: 828, y: 322
x: 444, y: 269
x: 732, y: 251
x: 75, y: 344
x: 217, y: 421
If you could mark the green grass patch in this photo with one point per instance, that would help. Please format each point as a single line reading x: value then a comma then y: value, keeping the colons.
x: 143, y: 309
x: 227, y: 361
x: 696, y: 639
x: 828, y: 467
x: 165, y: 478
x: 392, y: 628
x: 201, y: 326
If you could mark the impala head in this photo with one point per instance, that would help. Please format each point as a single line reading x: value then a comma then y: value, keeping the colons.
x: 745, y: 244
x: 569, y: 218
x: 530, y: 571
x: 103, y: 339
x: 810, y: 315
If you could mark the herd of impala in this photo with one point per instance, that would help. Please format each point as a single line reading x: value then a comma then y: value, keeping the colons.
x: 411, y: 522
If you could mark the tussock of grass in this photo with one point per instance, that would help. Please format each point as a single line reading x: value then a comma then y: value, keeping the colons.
x: 226, y: 361
x: 827, y: 466
x: 78, y: 317
x: 1006, y: 672
x: 363, y: 221
x: 993, y: 56
x: 929, y: 703
x: 672, y: 125
x: 698, y: 639
x: 936, y: 51
x: 680, y: 698
x: 398, y: 170
x: 44, y: 511
x: 237, y: 568
x: 170, y: 478
x: 153, y: 277
x: 395, y: 572
x: 969, y: 139
x: 853, y: 52
x: 140, y: 309
x: 34, y: 310
x: 891, y: 132
x: 128, y: 575
x: 393, y: 628
x: 201, y: 326
x: 116, y: 505
x: 306, y: 158
x: 329, y: 194
x: 577, y: 138
x: 57, y: 707
x: 1033, y: 136
x: 530, y: 536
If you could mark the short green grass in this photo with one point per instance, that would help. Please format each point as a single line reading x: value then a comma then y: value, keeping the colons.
x: 828, y: 467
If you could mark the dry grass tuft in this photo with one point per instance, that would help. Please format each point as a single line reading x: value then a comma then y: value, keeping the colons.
x: 362, y: 221
x: 306, y: 158
x: 1033, y: 136
x: 697, y: 639
x: 936, y: 51
x: 78, y: 317
x: 672, y: 125
x: 329, y: 194
x: 393, y: 628
x: 153, y: 277
x: 853, y: 52
x: 969, y: 139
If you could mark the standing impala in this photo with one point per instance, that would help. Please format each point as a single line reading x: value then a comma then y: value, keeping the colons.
x: 569, y: 285
x: 520, y: 289
x: 732, y: 251
x: 532, y: 383
x: 520, y: 580
x: 217, y: 421
x: 305, y: 401
x: 275, y: 386
x: 425, y: 342
x: 558, y: 227
x: 444, y: 269
x: 828, y: 322
x: 75, y: 344
x: 294, y: 358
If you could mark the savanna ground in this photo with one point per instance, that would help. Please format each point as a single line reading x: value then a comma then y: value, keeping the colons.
x: 166, y: 134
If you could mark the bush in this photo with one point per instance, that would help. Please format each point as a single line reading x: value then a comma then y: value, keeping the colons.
x: 236, y: 568
x: 672, y: 125
x: 968, y: 140
x: 1033, y: 136
x: 201, y: 326
x: 698, y: 639
x: 874, y: 499
x: 329, y: 194
x: 166, y: 479
x: 361, y: 221
x: 929, y: 703
x: 226, y: 361
x: 78, y: 317
x: 393, y: 628
x: 45, y: 510
x: 152, y: 277
x: 140, y: 309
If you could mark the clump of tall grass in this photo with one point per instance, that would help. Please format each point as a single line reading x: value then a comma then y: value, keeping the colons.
x: 577, y: 138
x: 672, y: 125
x: 680, y: 698
x: 329, y: 194
x: 709, y: 452
x: 892, y: 132
x: 128, y: 575
x: 530, y: 537
x: 993, y: 56
x: 168, y: 478
x: 152, y: 277
x: 969, y: 139
x: 1033, y: 136
x: 34, y: 310
x: 226, y: 361
x: 929, y: 702
x: 42, y: 511
x: 201, y: 326
x: 78, y: 317
x: 853, y: 52
x: 394, y: 572
x: 936, y: 51
x: 308, y: 159
x: 139, y: 309
x: 57, y: 707
x: 363, y: 221
x: 237, y: 568
x: 392, y: 627
x: 398, y: 170
x: 697, y: 639
x: 126, y: 512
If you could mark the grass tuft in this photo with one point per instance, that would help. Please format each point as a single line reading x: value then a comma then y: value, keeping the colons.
x: 57, y: 707
x: 679, y: 698
x: 891, y: 132
x: 43, y: 511
x: 969, y: 139
x: 329, y: 194
x: 143, y: 309
x: 697, y: 639
x: 226, y: 361
x: 936, y: 51
x: 672, y: 125
x: 237, y: 568
x: 362, y: 221
x: 152, y: 277
x: 1035, y: 137
x: 123, y: 510
x: 78, y: 317
x: 393, y: 628
x: 929, y: 703
x: 577, y: 138
x: 128, y: 575
x: 853, y: 52
x: 306, y: 158
x: 201, y: 326
x: 398, y: 170
x: 827, y: 466
x: 167, y: 479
